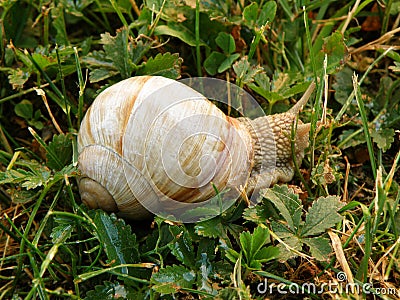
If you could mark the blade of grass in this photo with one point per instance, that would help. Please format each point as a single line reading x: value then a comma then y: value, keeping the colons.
x: 27, y: 230
x: 106, y: 24
x: 363, y: 268
x: 38, y: 282
x: 386, y: 17
x: 64, y: 91
x: 364, y: 119
x: 255, y: 42
x: 88, y: 275
x: 309, y: 43
x: 44, y: 74
x: 21, y: 237
x: 119, y: 13
x: 49, y: 151
x: 43, y: 222
x: 82, y: 85
x: 197, y: 33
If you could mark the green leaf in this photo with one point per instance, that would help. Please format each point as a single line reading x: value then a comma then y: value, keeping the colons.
x: 24, y: 109
x: 97, y: 75
x: 294, y: 243
x: 211, y: 228
x: 287, y: 203
x: 257, y: 214
x: 226, y: 42
x: 182, y: 248
x: 213, y: 61
x: 396, y: 67
x: 18, y: 77
x: 61, y: 147
x: 107, y: 291
x: 335, y: 49
x: 116, y: 49
x: 250, y: 14
x: 32, y: 176
x: 138, y: 51
x: 167, y: 65
x: 252, y: 243
x: 245, y: 71
x: 383, y: 138
x: 227, y: 63
x: 281, y: 230
x: 206, y: 269
x: 253, y: 248
x: 267, y: 14
x: 171, y: 279
x: 179, y: 31
x: 61, y: 233
x: 232, y: 255
x: 320, y: 247
x: 57, y: 14
x: 343, y: 85
x: 117, y: 238
x: 322, y: 215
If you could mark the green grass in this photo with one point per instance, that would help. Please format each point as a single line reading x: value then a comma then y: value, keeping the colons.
x: 55, y: 57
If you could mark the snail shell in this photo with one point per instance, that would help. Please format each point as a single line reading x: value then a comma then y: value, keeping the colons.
x: 149, y: 143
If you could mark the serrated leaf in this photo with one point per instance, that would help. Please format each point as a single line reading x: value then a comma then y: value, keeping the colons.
x: 256, y: 214
x: 287, y: 203
x: 245, y: 71
x: 335, y: 49
x: 61, y: 148
x: 172, y: 278
x: 215, y: 207
x: 61, y: 233
x: 286, y: 248
x: 167, y: 65
x: 116, y: 49
x: 35, y: 175
x: 182, y: 248
x: 351, y: 139
x: 232, y: 255
x: 97, y: 75
x: 322, y: 215
x: 281, y: 230
x: 254, y: 251
x: 138, y: 50
x: 383, y: 138
x: 107, y: 291
x: 320, y: 247
x: 18, y: 77
x: 211, y: 228
x: 205, y: 272
x: 117, y: 238
x: 252, y: 243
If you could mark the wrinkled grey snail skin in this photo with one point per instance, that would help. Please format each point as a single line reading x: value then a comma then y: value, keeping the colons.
x: 128, y: 154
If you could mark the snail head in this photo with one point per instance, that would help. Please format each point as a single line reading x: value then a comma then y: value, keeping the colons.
x: 273, y: 158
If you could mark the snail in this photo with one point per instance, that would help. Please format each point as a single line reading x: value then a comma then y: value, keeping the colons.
x: 149, y: 144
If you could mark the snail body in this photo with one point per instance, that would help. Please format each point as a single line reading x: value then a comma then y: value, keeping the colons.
x: 149, y: 143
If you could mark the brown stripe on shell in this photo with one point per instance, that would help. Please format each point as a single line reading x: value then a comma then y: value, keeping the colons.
x: 139, y: 82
